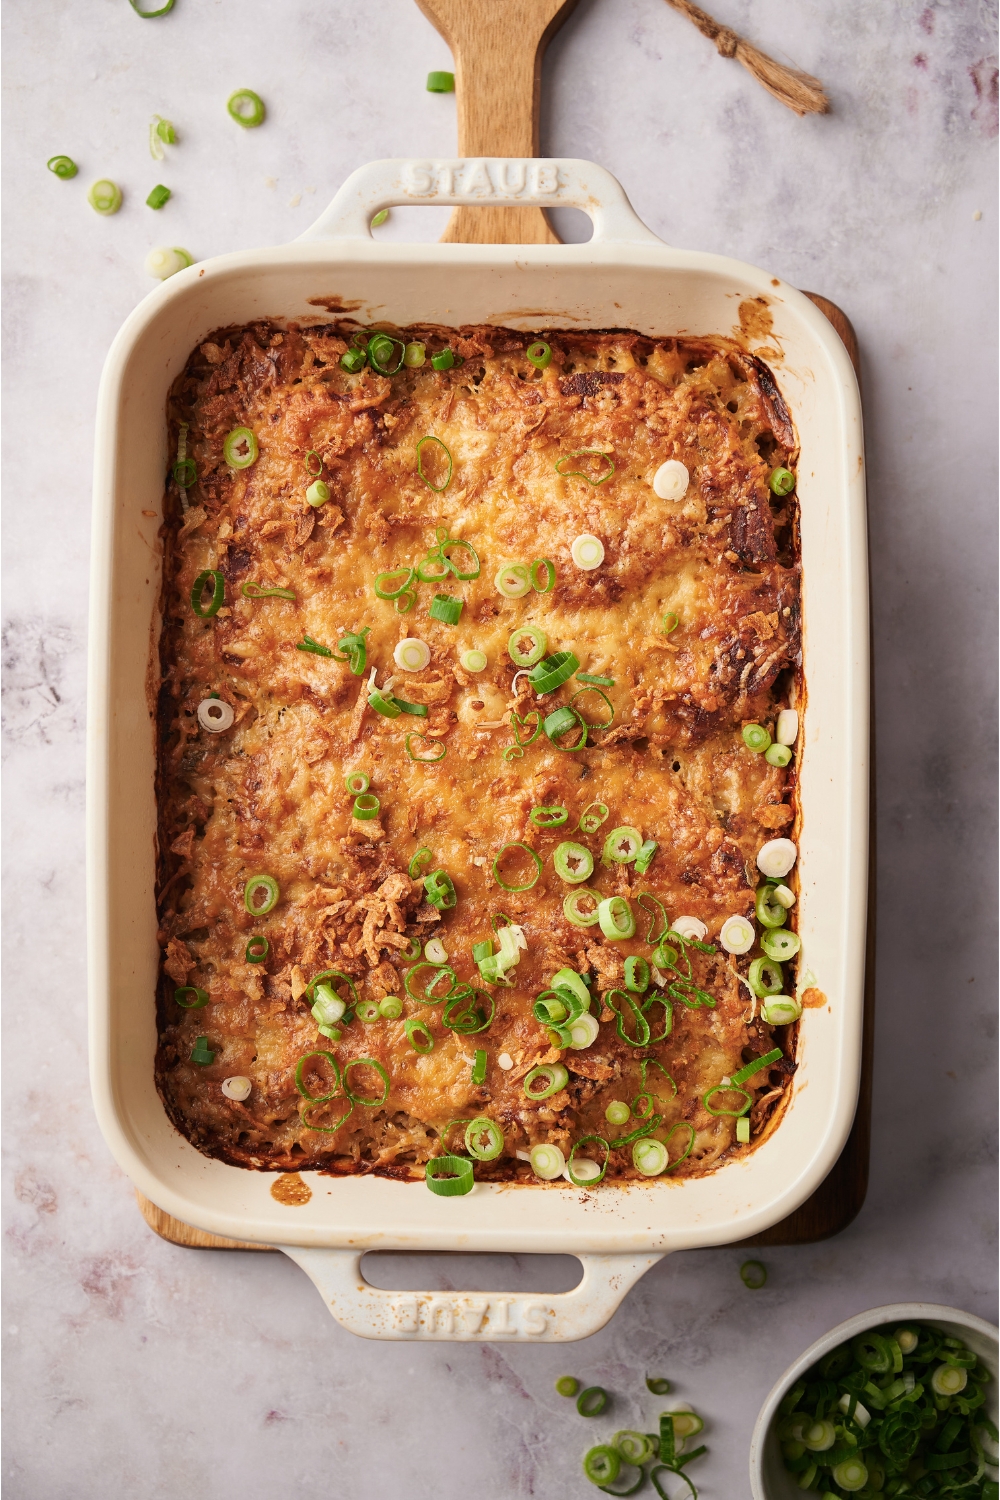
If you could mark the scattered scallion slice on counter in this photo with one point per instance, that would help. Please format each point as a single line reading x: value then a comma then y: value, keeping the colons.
x: 246, y: 108
x: 440, y: 83
x: 105, y: 196
x: 151, y: 15
x: 167, y: 260
x: 63, y: 166
x: 567, y: 1385
x: 158, y: 196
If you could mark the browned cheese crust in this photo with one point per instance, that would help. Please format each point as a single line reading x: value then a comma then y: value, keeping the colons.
x: 269, y: 796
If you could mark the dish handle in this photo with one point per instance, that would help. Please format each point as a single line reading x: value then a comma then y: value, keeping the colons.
x: 490, y: 1317
x: 543, y: 182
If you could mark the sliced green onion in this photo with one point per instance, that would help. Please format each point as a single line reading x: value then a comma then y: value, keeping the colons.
x: 601, y: 723
x: 777, y: 755
x: 602, y: 1464
x: 167, y: 261
x: 781, y: 482
x: 587, y: 552
x: 317, y: 494
x: 444, y: 360
x: 421, y: 759
x: 573, y: 862
x: 616, y: 919
x: 201, y: 1052
x: 595, y: 681
x: 549, y: 576
x: 642, y: 1033
x: 592, y: 1401
x: 417, y: 710
x: 621, y: 846
x: 657, y: 1385
x: 150, y: 15
x: 257, y: 950
x: 550, y: 1009
x: 769, y: 913
x: 560, y: 722
x: 381, y: 356
x: 753, y: 1274
x: 743, y: 1130
x: 418, y: 1029
x: 440, y: 889
x: 366, y: 808
x: 391, y: 1007
x: 433, y: 568
x: 483, y: 1139
x: 318, y: 982
x: 440, y: 83
x: 547, y: 1161
x: 588, y: 1180
x: 572, y: 907
x: 239, y: 448
x: 447, y: 608
x: 353, y: 360
x: 644, y: 858
x: 479, y: 1067
x: 552, y: 1076
x: 780, y: 1010
x: 548, y: 817
x: 636, y: 975
x: 352, y: 649
x: 727, y: 1088
x: 851, y: 1475
x: 765, y: 977
x: 218, y: 593
x: 357, y: 783
x: 105, y: 196
x: 386, y: 706
x: 681, y: 1125
x: 422, y: 857
x: 513, y: 581
x: 737, y: 935
x: 426, y: 996
x: 553, y: 672
x: 310, y: 455
x: 435, y: 951
x: 437, y: 488
x: 447, y: 542
x: 526, y: 645
x: 449, y: 1176
x: 757, y: 1066
x: 473, y: 661
x: 308, y: 644
x: 617, y: 1112
x: 383, y: 590
x: 299, y: 1075
x: 532, y: 855
x: 414, y: 356
x: 269, y: 886
x: 161, y: 130
x: 593, y: 815
x: 578, y: 473
x: 251, y: 590
x: 63, y: 166
x: 158, y: 196
x: 670, y: 622
x: 368, y: 1011
x: 649, y: 1156
x: 946, y: 1380
x: 780, y: 944
x: 756, y: 738
x: 567, y: 1385
x: 246, y: 108
x: 659, y: 922
x: 367, y: 1062
x: 539, y: 354
x: 518, y: 723
x: 200, y: 996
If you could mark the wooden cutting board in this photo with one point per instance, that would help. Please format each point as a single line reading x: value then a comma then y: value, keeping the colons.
x: 498, y: 47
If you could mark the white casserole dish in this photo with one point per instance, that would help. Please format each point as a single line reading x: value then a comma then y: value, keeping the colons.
x: 624, y: 277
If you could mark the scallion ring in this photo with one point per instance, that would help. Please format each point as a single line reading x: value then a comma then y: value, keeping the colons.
x: 600, y: 723
x: 780, y: 1010
x: 422, y: 857
x: 64, y: 166
x: 765, y: 977
x: 560, y: 722
x: 512, y: 581
x: 781, y: 482
x: 390, y: 1007
x: 649, y: 1156
x: 353, y: 360
x: 680, y: 1125
x: 257, y: 950
x: 548, y: 817
x: 588, y: 1181
x: 670, y: 622
x: 421, y: 759
x: 553, y: 671
x: 780, y: 944
x: 473, y: 661
x: 552, y: 1077
x: 427, y: 996
x: 463, y: 1014
x: 251, y: 590
x: 380, y: 354
x: 587, y: 551
x: 159, y: 195
x: 636, y: 975
x: 572, y: 908
x: 531, y: 854
x: 246, y: 108
x: 578, y: 473
x: 644, y: 858
x: 415, y: 1029
x: 437, y: 488
x: 621, y: 846
x: 603, y: 1464
x: 573, y: 863
x: 387, y: 588
x: 483, y: 1139
x: 549, y: 576
x: 473, y: 568
x: 617, y: 1112
x: 366, y: 807
x: 317, y: 471
x: 261, y: 883
x: 770, y: 913
x: 316, y: 648
x: 630, y: 1004
x: 449, y: 1176
x: 446, y: 608
x: 201, y: 997
x: 327, y: 1129
x: 239, y: 448
x: 415, y: 356
x: 317, y: 494
x: 616, y: 919
x: 357, y: 783
x: 445, y: 359
x: 593, y: 815
x: 367, y: 1062
x: 105, y: 196
x: 368, y: 1011
x: 539, y: 354
x: 595, y: 681
x: 440, y: 890
x: 526, y: 645
x: 300, y: 1085
x: 184, y: 473
x: 728, y: 1088
x: 150, y: 15
x: 778, y: 755
x: 659, y: 922
x: 218, y: 583
x: 756, y: 738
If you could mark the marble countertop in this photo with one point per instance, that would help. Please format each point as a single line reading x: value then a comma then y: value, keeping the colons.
x: 137, y: 1368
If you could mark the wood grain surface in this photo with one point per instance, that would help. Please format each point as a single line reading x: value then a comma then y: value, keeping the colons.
x: 498, y: 46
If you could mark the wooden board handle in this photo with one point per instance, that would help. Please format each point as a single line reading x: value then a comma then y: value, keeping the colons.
x: 498, y: 46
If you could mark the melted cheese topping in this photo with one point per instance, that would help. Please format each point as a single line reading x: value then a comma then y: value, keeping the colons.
x: 268, y: 796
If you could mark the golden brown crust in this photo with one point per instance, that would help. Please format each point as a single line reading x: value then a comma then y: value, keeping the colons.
x: 268, y: 795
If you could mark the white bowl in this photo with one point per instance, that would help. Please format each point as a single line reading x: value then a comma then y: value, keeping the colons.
x: 769, y: 1479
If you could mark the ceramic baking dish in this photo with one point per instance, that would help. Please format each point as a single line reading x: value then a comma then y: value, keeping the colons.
x: 625, y: 277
